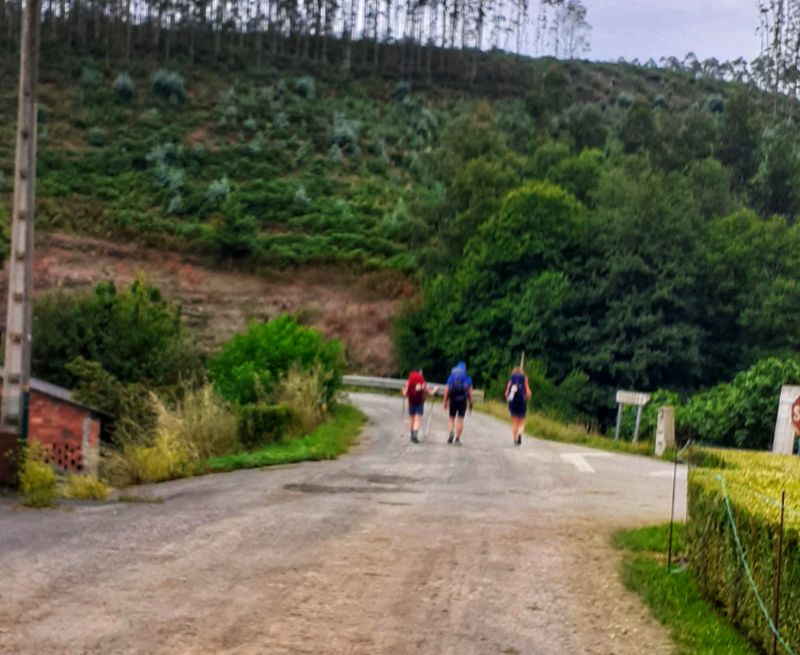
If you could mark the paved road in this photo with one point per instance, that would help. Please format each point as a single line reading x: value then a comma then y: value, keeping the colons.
x: 392, y: 549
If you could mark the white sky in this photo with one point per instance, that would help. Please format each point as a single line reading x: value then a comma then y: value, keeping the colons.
x: 725, y: 29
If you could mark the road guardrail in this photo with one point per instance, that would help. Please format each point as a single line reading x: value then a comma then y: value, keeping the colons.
x: 396, y: 384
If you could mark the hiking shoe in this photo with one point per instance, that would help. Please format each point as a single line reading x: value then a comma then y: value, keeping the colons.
x: 458, y: 441
x: 519, y: 439
x: 450, y: 438
x: 414, y: 438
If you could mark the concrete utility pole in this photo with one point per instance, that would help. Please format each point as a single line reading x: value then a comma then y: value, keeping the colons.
x: 13, y: 418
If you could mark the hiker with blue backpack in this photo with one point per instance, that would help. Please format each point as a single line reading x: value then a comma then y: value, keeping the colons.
x: 518, y: 393
x: 457, y: 397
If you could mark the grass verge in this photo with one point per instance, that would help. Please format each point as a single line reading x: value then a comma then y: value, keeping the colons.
x: 545, y: 427
x: 328, y: 441
x: 694, y: 623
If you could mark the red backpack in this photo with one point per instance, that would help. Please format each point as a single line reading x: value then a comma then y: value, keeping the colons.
x: 416, y: 388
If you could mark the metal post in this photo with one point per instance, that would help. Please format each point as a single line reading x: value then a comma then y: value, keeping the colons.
x: 18, y: 322
x: 672, y: 509
x: 778, y: 572
x: 619, y: 420
x: 638, y: 423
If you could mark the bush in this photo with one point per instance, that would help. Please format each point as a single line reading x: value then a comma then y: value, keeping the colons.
x: 96, y: 137
x: 165, y: 459
x: 741, y: 413
x: 250, y: 366
x: 123, y: 87
x: 84, y: 487
x: 90, y: 78
x: 345, y: 134
x: 218, y: 191
x: 262, y: 424
x: 169, y: 85
x: 305, y: 87
x: 37, y: 480
x: 716, y: 104
x: 132, y: 333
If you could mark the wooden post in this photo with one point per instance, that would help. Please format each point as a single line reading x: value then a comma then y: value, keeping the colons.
x: 619, y: 420
x: 18, y: 323
x: 638, y: 423
x: 778, y: 572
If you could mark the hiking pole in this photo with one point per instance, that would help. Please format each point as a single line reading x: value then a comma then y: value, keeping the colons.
x: 428, y: 421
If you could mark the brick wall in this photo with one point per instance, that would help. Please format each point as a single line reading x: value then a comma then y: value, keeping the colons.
x: 71, y: 434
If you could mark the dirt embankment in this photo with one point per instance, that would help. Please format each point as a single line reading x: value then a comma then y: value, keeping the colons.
x: 218, y: 301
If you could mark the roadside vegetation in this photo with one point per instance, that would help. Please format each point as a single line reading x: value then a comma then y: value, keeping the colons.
x: 696, y: 624
x: 732, y: 536
x: 543, y: 426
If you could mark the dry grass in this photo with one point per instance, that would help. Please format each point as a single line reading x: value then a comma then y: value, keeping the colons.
x: 302, y: 392
x: 545, y: 427
x: 37, y: 480
x: 85, y: 487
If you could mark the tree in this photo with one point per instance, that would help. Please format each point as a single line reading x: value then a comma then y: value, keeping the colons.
x: 739, y: 137
x: 638, y: 130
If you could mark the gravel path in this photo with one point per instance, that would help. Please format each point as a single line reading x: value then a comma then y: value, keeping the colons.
x: 392, y: 549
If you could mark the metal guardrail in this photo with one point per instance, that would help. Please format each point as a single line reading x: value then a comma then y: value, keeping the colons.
x: 396, y: 384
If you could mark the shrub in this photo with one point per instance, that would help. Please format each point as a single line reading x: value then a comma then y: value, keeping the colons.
x: 305, y: 87
x: 90, y: 78
x: 660, y: 102
x: 301, y: 199
x: 37, y: 480
x: 123, y: 87
x: 345, y: 134
x: 132, y: 333
x: 85, y: 487
x: 716, y: 104
x: 165, y: 459
x: 251, y: 365
x: 175, y: 204
x: 168, y: 85
x: 262, y: 424
x: 754, y: 482
x: 625, y: 100
x: 96, y: 137
x: 741, y: 413
x: 217, y: 191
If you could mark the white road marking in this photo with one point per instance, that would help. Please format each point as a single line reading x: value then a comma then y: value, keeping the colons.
x: 667, y: 474
x: 578, y: 460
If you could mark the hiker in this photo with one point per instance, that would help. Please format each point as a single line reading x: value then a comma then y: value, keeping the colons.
x: 457, y: 396
x: 415, y: 390
x: 518, y: 393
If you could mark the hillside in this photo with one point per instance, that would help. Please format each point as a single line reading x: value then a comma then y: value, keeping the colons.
x: 644, y: 255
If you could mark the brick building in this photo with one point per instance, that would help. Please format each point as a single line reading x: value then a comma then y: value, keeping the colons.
x: 69, y: 430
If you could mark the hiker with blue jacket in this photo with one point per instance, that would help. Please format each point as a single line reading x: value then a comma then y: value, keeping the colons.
x: 518, y: 393
x: 457, y: 396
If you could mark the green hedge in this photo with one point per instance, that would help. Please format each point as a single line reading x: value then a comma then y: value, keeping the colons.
x: 262, y: 424
x: 754, y: 482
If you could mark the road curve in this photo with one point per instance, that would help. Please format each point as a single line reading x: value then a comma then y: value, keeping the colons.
x: 395, y: 548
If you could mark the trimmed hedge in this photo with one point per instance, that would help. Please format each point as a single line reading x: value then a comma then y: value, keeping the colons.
x: 262, y: 424
x: 754, y: 482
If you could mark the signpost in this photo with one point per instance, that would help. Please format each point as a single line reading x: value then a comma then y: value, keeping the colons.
x: 631, y: 398
x: 796, y: 415
x: 787, y: 421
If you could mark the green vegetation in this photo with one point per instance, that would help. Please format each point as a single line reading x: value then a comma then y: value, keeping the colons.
x: 37, y: 481
x: 251, y: 365
x: 753, y: 482
x: 673, y: 597
x: 84, y: 487
x: 328, y: 441
x: 547, y: 427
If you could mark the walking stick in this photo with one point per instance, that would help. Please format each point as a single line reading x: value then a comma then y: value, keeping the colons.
x: 428, y: 421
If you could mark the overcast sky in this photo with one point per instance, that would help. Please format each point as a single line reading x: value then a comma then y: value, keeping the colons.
x: 724, y: 29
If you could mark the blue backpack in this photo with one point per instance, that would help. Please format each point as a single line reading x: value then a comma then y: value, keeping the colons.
x: 458, y: 386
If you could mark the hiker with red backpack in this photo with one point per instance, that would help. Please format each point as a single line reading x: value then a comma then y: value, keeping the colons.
x: 457, y: 396
x: 415, y: 391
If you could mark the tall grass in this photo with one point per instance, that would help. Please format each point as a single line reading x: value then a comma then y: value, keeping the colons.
x: 545, y: 427
x: 302, y: 392
x: 199, y: 426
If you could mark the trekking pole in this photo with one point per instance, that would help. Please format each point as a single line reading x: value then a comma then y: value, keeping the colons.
x: 426, y: 432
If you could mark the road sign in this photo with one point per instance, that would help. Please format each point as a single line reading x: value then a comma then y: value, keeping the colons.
x: 796, y: 414
x: 632, y: 398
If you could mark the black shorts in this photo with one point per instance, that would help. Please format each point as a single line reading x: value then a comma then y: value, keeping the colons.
x: 458, y: 408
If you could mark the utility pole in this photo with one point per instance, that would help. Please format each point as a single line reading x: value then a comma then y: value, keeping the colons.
x: 14, y: 414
